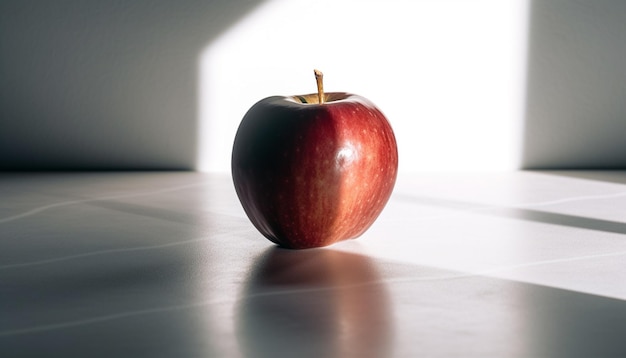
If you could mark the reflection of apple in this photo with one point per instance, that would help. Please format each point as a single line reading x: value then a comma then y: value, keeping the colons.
x: 314, y: 169
x: 314, y: 303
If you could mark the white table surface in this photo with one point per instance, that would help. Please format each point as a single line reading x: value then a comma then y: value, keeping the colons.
x: 516, y: 264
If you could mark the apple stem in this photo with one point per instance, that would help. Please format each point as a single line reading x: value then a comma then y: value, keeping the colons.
x: 319, y: 78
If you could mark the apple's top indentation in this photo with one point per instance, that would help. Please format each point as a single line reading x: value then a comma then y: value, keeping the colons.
x: 313, y: 98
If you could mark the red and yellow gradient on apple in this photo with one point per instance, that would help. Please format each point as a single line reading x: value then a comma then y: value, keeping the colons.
x: 314, y: 169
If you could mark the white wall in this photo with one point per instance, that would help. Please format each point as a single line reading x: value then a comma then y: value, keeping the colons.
x: 90, y: 84
x: 449, y: 74
x: 158, y: 84
x: 576, y: 111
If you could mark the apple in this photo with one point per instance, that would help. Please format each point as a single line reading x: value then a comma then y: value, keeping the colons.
x: 311, y: 170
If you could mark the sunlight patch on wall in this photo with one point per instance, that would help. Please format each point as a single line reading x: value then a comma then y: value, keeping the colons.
x: 449, y: 74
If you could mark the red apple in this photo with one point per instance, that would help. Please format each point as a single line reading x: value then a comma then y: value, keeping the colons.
x: 315, y: 169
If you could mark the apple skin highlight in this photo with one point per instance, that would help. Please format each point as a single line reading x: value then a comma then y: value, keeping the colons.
x: 309, y: 174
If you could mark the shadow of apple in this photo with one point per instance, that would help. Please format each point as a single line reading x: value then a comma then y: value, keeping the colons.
x: 314, y: 303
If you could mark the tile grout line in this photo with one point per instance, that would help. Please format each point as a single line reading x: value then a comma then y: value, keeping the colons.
x: 113, y: 251
x: 103, y: 198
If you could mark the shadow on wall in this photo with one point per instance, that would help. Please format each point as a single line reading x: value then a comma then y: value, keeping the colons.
x: 104, y: 84
x: 576, y: 90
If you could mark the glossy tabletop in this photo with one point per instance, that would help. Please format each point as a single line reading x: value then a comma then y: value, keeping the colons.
x: 514, y: 264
